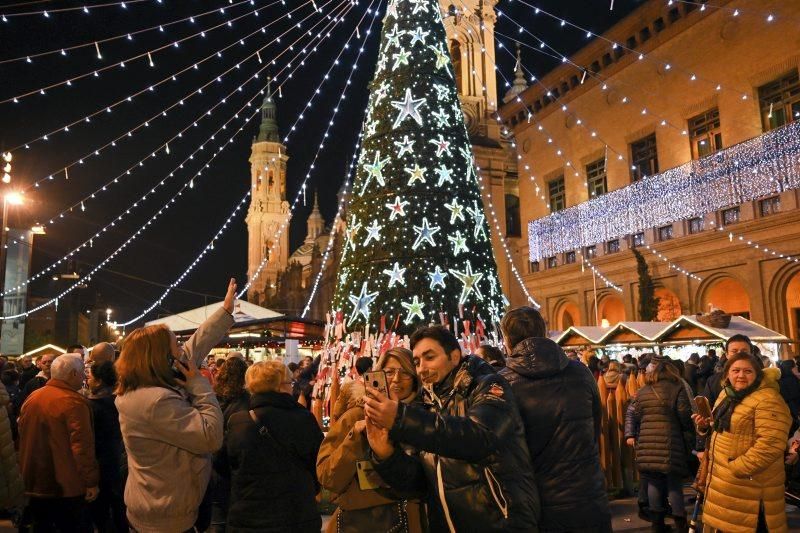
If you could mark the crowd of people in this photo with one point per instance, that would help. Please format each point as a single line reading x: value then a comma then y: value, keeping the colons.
x: 161, y: 437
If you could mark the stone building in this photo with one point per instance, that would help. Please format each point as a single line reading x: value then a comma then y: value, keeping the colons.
x: 286, y: 278
x: 676, y: 131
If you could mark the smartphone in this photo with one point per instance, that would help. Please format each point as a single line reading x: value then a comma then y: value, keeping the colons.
x: 703, y: 407
x: 176, y: 367
x: 377, y: 380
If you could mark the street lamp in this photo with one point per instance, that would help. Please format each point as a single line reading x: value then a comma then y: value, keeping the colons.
x: 12, y: 198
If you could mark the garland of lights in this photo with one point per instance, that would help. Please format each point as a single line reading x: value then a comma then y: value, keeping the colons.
x: 729, y: 177
x: 129, y: 35
x: 208, y: 247
x: 610, y: 284
x: 188, y: 184
x: 46, y: 12
x: 672, y: 265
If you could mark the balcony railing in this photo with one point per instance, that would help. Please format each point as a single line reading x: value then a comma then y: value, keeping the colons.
x: 767, y: 164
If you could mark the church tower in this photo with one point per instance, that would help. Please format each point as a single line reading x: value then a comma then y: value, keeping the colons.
x: 268, y: 206
x: 315, y: 224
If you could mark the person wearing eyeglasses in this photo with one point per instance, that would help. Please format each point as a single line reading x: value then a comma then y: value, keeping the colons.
x: 344, y: 463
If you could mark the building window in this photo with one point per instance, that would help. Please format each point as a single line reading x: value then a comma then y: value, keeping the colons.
x: 569, y: 257
x: 552, y: 262
x: 769, y: 206
x: 455, y: 55
x: 612, y: 247
x: 730, y: 216
x: 665, y: 233
x: 558, y: 198
x: 637, y: 239
x: 644, y: 157
x: 513, y: 225
x: 705, y: 134
x: 591, y: 252
x: 596, y: 178
x: 533, y: 267
x: 696, y: 225
x: 780, y: 101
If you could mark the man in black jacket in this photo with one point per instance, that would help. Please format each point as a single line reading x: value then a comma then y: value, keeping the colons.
x: 560, y: 407
x: 472, y: 462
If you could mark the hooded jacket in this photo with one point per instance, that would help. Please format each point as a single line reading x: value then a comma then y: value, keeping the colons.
x: 560, y: 406
x: 746, y: 463
x: 473, y: 459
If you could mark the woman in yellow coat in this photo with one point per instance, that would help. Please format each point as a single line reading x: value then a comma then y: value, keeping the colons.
x: 749, y: 424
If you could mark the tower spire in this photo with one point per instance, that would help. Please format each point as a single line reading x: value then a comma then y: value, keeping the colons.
x: 268, y: 131
x: 520, y: 84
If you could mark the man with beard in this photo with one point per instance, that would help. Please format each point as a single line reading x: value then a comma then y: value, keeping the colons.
x: 472, y: 459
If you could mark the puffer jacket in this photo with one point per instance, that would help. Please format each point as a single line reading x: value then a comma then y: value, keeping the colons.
x: 560, y: 407
x: 663, y: 414
x: 11, y: 485
x: 169, y: 436
x: 473, y: 460
x: 746, y: 463
x: 336, y: 469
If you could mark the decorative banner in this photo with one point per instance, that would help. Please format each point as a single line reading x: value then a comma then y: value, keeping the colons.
x: 767, y: 164
x: 18, y: 260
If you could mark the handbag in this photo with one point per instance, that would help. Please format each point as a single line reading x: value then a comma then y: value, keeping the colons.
x: 366, y: 519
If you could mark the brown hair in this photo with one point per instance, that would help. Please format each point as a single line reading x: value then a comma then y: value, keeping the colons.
x: 144, y: 360
x: 741, y: 356
x: 230, y: 378
x: 406, y: 360
x: 664, y: 370
x: 522, y: 323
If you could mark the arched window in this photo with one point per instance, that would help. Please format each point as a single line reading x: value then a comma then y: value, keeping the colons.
x: 455, y: 56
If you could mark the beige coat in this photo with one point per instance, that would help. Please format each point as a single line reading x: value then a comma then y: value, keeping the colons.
x: 336, y: 469
x: 746, y: 463
x: 11, y: 486
x: 169, y: 437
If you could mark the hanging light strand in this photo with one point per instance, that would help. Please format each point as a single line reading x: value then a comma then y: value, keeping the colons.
x: 86, y: 9
x: 672, y: 265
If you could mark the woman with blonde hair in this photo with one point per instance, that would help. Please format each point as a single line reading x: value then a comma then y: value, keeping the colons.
x: 272, y: 449
x: 744, y: 489
x: 170, y: 421
x: 344, y: 461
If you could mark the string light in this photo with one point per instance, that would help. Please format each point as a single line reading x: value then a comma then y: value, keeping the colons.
x: 299, y: 194
x: 85, y: 9
x: 148, y: 54
x: 610, y: 284
x: 734, y: 237
x: 726, y: 178
x: 96, y: 152
x: 673, y: 265
x: 189, y: 184
x: 128, y: 36
x: 208, y: 248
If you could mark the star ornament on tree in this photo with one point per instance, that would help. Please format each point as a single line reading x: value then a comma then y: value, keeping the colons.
x: 442, y: 55
x: 418, y: 36
x: 393, y: 37
x: 391, y: 11
x: 459, y: 243
x: 361, y: 303
x: 437, y: 277
x: 444, y: 173
x: 417, y: 174
x: 375, y: 170
x: 396, y: 275
x: 397, y: 208
x: 425, y: 233
x: 405, y: 146
x: 470, y: 281
x: 400, y: 58
x: 442, y: 146
x: 456, y: 210
x: 352, y: 230
x: 373, y: 232
x: 408, y: 107
x: 478, y: 217
x: 419, y: 5
x: 414, y: 308
x: 442, y: 120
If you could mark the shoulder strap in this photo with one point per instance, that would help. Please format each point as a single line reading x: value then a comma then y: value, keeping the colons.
x: 264, y: 432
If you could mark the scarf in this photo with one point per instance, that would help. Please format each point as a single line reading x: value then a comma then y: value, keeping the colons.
x: 724, y: 410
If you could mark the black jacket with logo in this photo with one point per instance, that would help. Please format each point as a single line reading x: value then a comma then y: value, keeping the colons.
x: 560, y: 407
x: 472, y: 459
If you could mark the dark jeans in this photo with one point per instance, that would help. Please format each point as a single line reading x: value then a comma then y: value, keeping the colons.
x: 660, y: 485
x: 108, y: 510
x: 62, y: 515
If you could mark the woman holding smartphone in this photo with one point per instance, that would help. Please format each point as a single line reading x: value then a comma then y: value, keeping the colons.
x: 170, y: 421
x: 344, y: 467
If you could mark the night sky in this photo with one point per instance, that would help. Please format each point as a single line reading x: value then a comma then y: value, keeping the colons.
x: 133, y: 280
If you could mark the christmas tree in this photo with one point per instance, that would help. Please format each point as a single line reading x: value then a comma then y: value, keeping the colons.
x: 417, y: 244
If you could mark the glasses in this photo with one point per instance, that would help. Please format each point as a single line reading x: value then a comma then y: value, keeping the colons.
x: 391, y: 373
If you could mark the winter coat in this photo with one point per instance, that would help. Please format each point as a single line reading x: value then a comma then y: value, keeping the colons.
x: 663, y: 413
x: 690, y: 374
x: 790, y: 388
x: 560, y: 407
x: 56, y: 443
x: 108, y: 446
x: 746, y: 463
x: 169, y: 435
x: 11, y: 486
x: 35, y: 383
x: 473, y: 459
x: 615, y: 458
x: 713, y: 388
x: 27, y: 374
x: 336, y: 469
x: 274, y: 480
